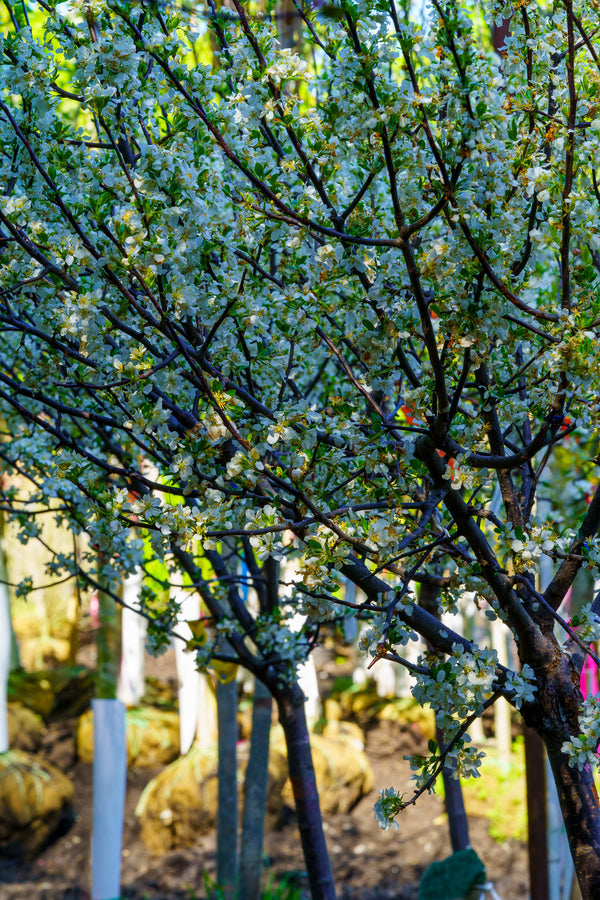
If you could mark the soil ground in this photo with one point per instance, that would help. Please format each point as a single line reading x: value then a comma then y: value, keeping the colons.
x: 369, y: 864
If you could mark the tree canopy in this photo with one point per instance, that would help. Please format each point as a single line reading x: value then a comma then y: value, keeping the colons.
x: 340, y: 305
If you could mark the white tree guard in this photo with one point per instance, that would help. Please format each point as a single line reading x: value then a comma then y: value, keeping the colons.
x: 110, y: 778
x: 189, y: 689
x: 306, y: 673
x: 502, y: 717
x: 133, y: 643
x: 350, y: 620
x: 206, y: 728
x: 385, y: 673
x: 307, y: 678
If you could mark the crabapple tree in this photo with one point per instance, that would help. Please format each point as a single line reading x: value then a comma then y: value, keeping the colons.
x: 324, y: 304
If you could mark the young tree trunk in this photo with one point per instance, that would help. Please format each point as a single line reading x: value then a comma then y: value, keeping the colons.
x: 537, y: 826
x: 227, y: 812
x: 555, y: 716
x: 290, y: 703
x: 288, y: 23
x: 255, y: 795
x: 458, y: 824
x: 581, y: 814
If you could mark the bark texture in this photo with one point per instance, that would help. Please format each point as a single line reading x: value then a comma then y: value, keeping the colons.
x: 581, y: 814
x: 458, y: 824
x: 255, y: 795
x: 555, y: 716
x: 537, y: 821
x: 227, y: 812
x: 290, y: 703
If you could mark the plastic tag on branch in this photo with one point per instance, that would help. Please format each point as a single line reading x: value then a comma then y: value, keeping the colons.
x: 225, y: 671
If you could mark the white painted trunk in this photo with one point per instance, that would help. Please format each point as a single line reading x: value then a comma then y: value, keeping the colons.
x: 307, y: 678
x: 133, y: 643
x: 187, y: 676
x: 307, y: 673
x: 502, y: 724
x: 110, y: 778
x: 350, y: 620
x: 206, y: 728
x: 197, y: 703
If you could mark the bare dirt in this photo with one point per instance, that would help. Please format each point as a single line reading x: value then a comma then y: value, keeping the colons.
x: 368, y: 863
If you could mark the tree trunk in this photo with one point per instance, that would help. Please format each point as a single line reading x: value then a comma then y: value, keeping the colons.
x: 255, y: 795
x: 555, y: 717
x: 227, y: 812
x: 458, y: 824
x: 537, y: 826
x: 288, y: 23
x: 290, y: 703
x: 581, y: 813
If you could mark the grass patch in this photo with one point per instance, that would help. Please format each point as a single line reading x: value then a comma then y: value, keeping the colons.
x: 499, y: 795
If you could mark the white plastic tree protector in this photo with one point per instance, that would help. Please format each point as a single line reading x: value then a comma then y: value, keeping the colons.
x: 110, y: 778
x: 5, y: 635
x: 350, y: 620
x: 306, y: 673
x: 502, y: 717
x: 133, y: 643
x: 307, y: 678
x: 187, y: 674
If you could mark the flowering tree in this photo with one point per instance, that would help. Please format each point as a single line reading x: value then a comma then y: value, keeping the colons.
x: 325, y: 308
